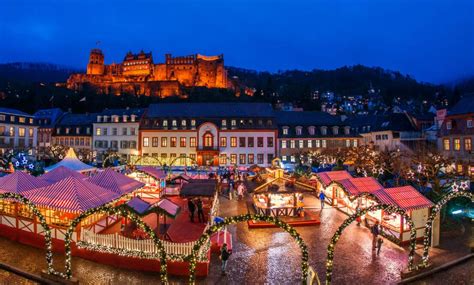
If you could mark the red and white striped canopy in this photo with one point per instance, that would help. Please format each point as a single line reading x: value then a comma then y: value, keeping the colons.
x: 19, y: 181
x: 117, y: 182
x: 72, y: 195
x: 60, y: 173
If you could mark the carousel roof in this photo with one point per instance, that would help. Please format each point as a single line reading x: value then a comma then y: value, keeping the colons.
x: 117, y: 182
x: 72, y: 162
x: 59, y: 173
x: 19, y: 181
x: 71, y: 194
x: 330, y: 176
x: 152, y: 171
x: 405, y: 197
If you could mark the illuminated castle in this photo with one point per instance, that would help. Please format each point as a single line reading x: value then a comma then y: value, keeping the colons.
x: 139, y: 75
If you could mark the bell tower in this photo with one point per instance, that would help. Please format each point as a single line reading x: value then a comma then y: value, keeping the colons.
x: 96, y: 62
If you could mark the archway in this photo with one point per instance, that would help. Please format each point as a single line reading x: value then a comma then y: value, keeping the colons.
x: 42, y: 220
x: 244, y: 218
x: 122, y: 211
x: 348, y: 221
x: 429, y: 223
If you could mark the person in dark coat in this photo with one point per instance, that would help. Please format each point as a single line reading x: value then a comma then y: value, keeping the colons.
x: 375, y: 230
x: 200, y: 211
x: 192, y: 209
x: 225, y: 254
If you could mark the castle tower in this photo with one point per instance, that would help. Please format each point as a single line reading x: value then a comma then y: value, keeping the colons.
x: 96, y: 62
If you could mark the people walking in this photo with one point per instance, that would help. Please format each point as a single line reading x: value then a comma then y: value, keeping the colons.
x: 225, y: 254
x: 322, y: 197
x: 200, y: 211
x: 192, y: 209
x: 379, y: 245
x: 375, y: 230
x: 240, y: 191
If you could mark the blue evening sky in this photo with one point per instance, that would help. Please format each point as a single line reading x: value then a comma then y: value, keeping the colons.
x: 432, y: 40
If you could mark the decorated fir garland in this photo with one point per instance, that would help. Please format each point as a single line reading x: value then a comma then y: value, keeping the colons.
x: 348, y: 221
x: 429, y: 224
x: 42, y: 220
x: 124, y: 212
x: 243, y: 218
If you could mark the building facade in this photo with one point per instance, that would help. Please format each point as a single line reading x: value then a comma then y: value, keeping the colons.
x: 116, y: 131
x: 302, y: 132
x: 18, y: 131
x: 46, y: 120
x: 139, y: 75
x: 456, y: 135
x: 209, y: 134
x: 75, y: 131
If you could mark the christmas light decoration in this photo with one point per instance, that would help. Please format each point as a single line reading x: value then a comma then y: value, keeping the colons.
x: 352, y: 218
x: 243, y: 218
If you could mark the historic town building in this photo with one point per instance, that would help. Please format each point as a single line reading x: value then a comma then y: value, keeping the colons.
x: 302, y: 132
x: 116, y: 131
x: 46, y: 120
x: 456, y: 135
x: 209, y: 133
x: 139, y: 75
x: 18, y: 130
x: 75, y: 130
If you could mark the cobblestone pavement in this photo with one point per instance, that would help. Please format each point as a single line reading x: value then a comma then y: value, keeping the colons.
x: 462, y: 274
x: 260, y: 256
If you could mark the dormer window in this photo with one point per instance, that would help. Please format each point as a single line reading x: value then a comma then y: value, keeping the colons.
x: 174, y: 123
x: 183, y: 123
x: 165, y: 123
x: 193, y: 123
x: 115, y: 119
x: 311, y: 130
x: 299, y: 130
x: 125, y: 118
x: 67, y: 131
x: 469, y: 123
x: 224, y: 123
x: 58, y: 131
x: 285, y: 130
x: 233, y: 123
x: 335, y: 130
x: 449, y: 125
x: 324, y: 130
x: 106, y: 118
x: 133, y: 118
x: 78, y: 130
x: 99, y: 119
x: 347, y: 130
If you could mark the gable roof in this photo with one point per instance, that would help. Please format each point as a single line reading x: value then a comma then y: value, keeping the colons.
x: 19, y: 181
x: 59, y: 173
x: 329, y: 176
x: 464, y: 106
x: 77, y: 119
x: 405, y: 197
x: 117, y: 182
x: 211, y: 110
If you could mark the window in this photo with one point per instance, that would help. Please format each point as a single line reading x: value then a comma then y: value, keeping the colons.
x: 182, y: 159
x: 299, y: 130
x: 2, y: 117
x: 78, y: 131
x: 260, y: 142
x: 233, y: 142
x: 260, y: 158
x: 347, y: 130
x: 310, y: 144
x: 250, y: 158
x: 114, y: 131
x: 324, y: 131
x: 67, y: 131
x: 233, y: 158
x: 348, y: 143
x: 21, y: 132
x: 223, y: 142
x: 88, y: 130
x: 356, y: 143
x: 233, y: 123
x: 21, y: 119
x: 269, y: 142
x: 335, y: 130
x: 124, y: 131
x: 154, y: 142
x: 183, y: 123
x: 164, y: 156
x: 172, y: 156
x: 467, y: 144
x: 242, y: 142
x: 292, y: 144
x: 132, y: 131
x: 164, y: 142
x: 323, y: 143
x: 222, y: 159
x: 105, y: 131
x: 182, y: 141
x: 457, y: 144
x: 292, y: 158
x: 449, y: 125
x: 30, y: 132
x: 469, y: 123
x: 173, y: 141
x: 285, y: 130
x: 165, y: 123
x: 318, y: 143
x: 242, y: 158
x: 283, y: 144
x: 193, y: 123
x: 146, y: 142
x: 174, y: 123
x: 283, y: 157
x: 207, y: 139
x: 446, y: 144
x: 192, y: 142
x: 12, y: 118
x: 193, y: 157
x: 311, y: 130
x: 301, y: 144
x: 250, y: 141
x: 224, y: 123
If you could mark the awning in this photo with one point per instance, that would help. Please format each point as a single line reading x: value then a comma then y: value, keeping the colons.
x: 405, y: 197
x: 117, y: 182
x: 19, y: 182
x: 72, y: 162
x: 60, y: 173
x: 143, y: 208
x: 152, y: 171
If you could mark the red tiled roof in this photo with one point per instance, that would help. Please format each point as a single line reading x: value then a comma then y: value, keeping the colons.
x: 330, y: 176
x: 406, y: 197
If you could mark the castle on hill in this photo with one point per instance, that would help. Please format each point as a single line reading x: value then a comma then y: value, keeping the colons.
x: 139, y: 75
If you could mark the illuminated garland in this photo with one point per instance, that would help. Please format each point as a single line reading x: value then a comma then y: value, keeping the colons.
x: 243, y: 218
x: 124, y: 212
x: 429, y: 224
x: 348, y: 221
x: 42, y: 220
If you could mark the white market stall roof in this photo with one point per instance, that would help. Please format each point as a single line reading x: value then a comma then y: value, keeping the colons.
x: 72, y: 162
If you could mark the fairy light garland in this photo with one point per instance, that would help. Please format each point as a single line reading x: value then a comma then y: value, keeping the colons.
x: 243, y: 218
x: 352, y: 218
x: 124, y: 212
x: 429, y: 224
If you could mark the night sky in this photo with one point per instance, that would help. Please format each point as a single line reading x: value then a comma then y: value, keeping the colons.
x: 430, y: 40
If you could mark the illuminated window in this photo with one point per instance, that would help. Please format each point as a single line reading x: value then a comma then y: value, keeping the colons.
x: 250, y: 158
x: 174, y: 123
x: 154, y: 142
x: 223, y: 142
x: 348, y: 143
x: 183, y: 123
x: 165, y: 123
x: 22, y: 119
x: 283, y: 144
x: 146, y: 142
x: 323, y: 143
x: 285, y: 130
x: 207, y: 139
x: 224, y: 123
x: 283, y: 157
x: 233, y: 158
x: 233, y: 123
x: 222, y: 159
x: 449, y: 125
x: 467, y: 144
x: 469, y: 123
x: 292, y: 158
x: 292, y: 144
x: 260, y: 158
x: 21, y: 132
x: 182, y: 142
x: 446, y: 144
x: 242, y: 158
x: 30, y: 132
x: 299, y: 131
x: 193, y: 123
x: 164, y: 142
x: 318, y: 143
x: 192, y: 142
x: 457, y: 144
x: 233, y: 142
x: 173, y: 141
x: 355, y: 143
x: 301, y: 144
